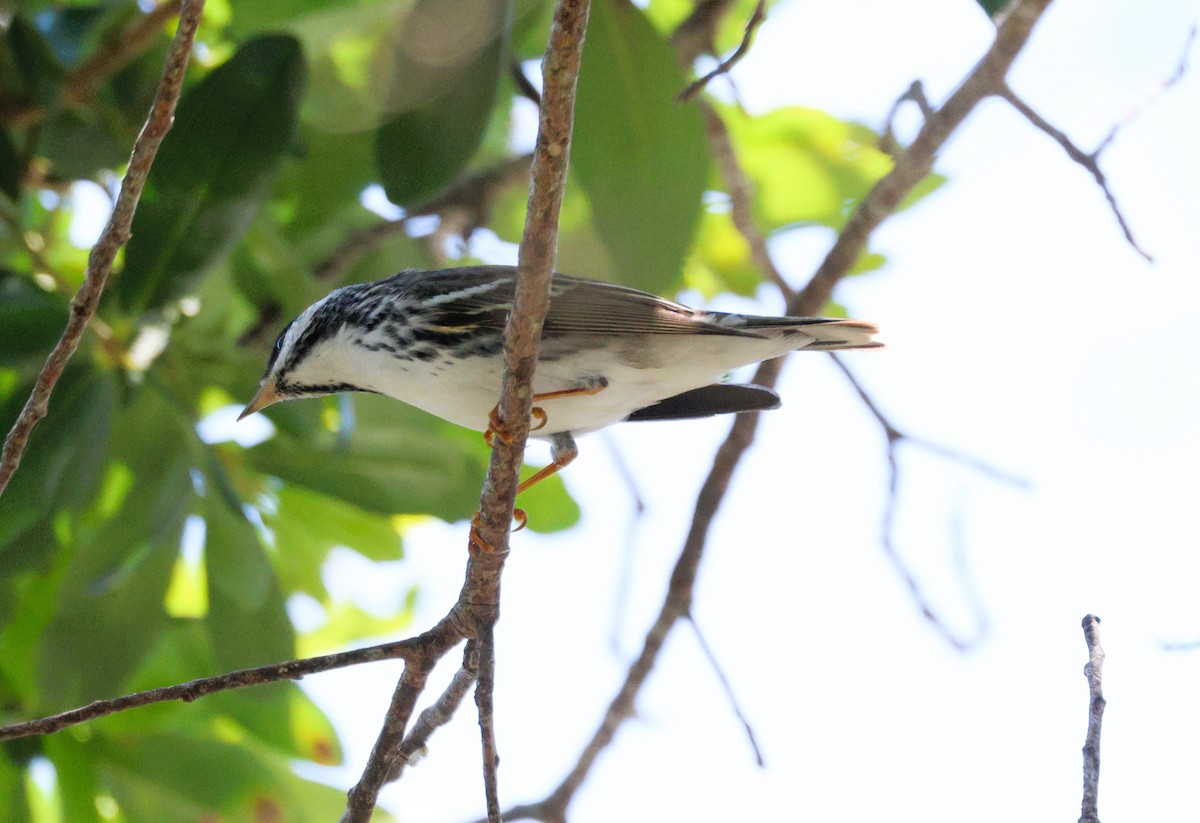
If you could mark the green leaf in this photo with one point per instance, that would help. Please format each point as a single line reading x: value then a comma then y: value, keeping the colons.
x: 12, y: 168
x: 398, y: 459
x: 246, y: 616
x: 214, y: 170
x: 307, y: 525
x: 109, y: 611
x: 425, y: 147
x: 80, y: 142
x: 65, y: 455
x: 31, y: 320
x: 640, y: 156
x: 807, y: 166
x: 39, y: 69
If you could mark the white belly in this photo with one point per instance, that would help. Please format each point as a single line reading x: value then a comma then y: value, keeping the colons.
x: 465, y: 391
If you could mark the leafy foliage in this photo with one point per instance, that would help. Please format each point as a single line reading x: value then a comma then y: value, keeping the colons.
x: 139, y: 544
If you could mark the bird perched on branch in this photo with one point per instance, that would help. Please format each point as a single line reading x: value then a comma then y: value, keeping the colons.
x: 608, y: 353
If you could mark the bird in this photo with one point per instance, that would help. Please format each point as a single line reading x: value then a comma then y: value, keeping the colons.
x: 608, y: 353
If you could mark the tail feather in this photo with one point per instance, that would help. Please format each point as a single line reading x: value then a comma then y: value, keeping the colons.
x: 832, y: 335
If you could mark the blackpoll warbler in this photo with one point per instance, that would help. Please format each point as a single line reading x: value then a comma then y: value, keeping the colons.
x: 608, y: 353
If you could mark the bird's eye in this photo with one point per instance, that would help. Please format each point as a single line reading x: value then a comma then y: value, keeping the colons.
x: 278, y: 347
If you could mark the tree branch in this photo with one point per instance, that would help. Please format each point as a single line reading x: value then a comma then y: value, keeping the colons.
x: 1096, y: 703
x: 195, y: 689
x: 478, y: 605
x: 756, y: 18
x: 114, y: 236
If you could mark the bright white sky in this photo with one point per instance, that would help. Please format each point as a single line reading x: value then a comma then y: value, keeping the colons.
x: 1021, y: 329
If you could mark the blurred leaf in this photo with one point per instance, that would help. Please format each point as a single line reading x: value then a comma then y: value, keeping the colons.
x: 80, y: 142
x: 425, y: 147
x: 398, y: 460
x: 31, y: 320
x: 68, y: 30
x: 15, y: 808
x: 65, y: 454
x: 40, y: 71
x: 348, y: 623
x: 307, y: 525
x: 75, y: 774
x: 246, y: 615
x: 109, y: 611
x: 721, y: 259
x: 12, y: 169
x: 214, y: 170
x: 640, y: 156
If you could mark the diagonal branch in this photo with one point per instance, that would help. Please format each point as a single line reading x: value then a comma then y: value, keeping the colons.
x: 115, y: 235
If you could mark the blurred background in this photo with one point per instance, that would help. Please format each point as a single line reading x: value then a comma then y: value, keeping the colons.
x: 148, y: 539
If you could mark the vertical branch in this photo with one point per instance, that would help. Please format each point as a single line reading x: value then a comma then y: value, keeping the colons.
x: 1096, y: 703
x: 114, y: 236
x: 535, y: 264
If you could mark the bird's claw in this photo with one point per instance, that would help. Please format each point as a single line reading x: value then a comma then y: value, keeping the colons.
x: 477, y: 540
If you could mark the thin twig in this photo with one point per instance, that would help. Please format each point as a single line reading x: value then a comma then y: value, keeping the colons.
x: 1096, y: 703
x: 439, y: 713
x: 1089, y: 161
x: 523, y: 84
x: 728, y: 689
x: 915, y: 93
x: 629, y: 549
x: 894, y: 438
x: 114, y: 236
x: 195, y: 689
x: 760, y: 14
x: 485, y: 688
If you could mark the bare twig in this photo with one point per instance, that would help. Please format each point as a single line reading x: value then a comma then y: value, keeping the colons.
x: 1157, y: 89
x: 1096, y: 703
x: 195, y: 689
x: 484, y: 692
x: 894, y: 438
x: 1089, y: 161
x: 426, y: 650
x: 523, y: 84
x: 629, y: 549
x: 115, y: 234
x: 438, y: 714
x: 694, y: 88
x: 727, y: 687
x: 915, y: 93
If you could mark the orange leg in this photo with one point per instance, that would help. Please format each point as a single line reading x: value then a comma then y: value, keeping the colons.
x: 496, y: 429
x: 562, y: 451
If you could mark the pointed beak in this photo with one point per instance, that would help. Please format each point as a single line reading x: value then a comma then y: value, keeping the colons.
x: 265, y: 397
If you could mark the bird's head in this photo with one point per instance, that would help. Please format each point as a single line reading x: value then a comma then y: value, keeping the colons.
x: 310, y: 357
